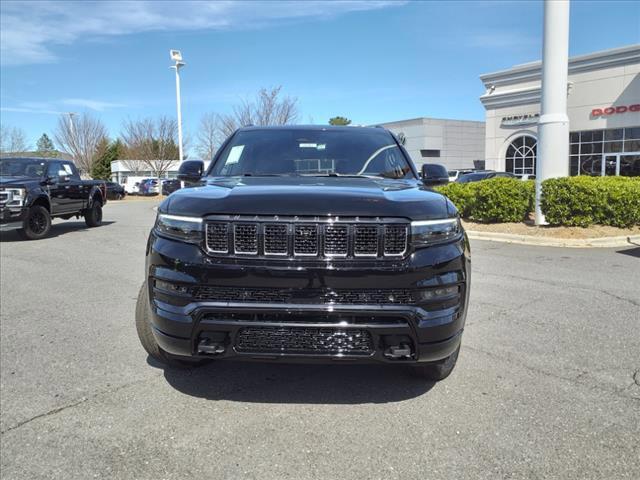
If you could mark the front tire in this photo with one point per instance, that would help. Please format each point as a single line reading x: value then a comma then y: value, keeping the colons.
x: 436, y: 371
x: 148, y: 341
x: 93, y: 216
x: 37, y: 224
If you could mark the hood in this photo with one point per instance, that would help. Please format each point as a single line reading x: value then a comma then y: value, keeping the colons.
x: 320, y: 196
x: 17, y: 181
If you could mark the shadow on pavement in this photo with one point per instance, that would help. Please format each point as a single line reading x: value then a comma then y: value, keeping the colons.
x: 296, y: 383
x: 57, y: 229
x: 632, y: 252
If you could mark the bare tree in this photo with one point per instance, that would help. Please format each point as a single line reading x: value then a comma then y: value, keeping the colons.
x: 268, y: 108
x: 153, y: 143
x: 12, y: 140
x: 79, y: 135
x: 210, y: 135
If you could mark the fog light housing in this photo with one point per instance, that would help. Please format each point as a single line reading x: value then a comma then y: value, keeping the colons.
x: 439, y: 293
x: 171, y: 287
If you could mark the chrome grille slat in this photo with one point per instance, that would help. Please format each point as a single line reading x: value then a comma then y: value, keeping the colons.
x: 218, y: 237
x: 276, y: 239
x: 245, y: 238
x: 310, y: 237
x: 366, y: 241
x: 305, y: 240
x: 336, y: 240
x: 395, y: 239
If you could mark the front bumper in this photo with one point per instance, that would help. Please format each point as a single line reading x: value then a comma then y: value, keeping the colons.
x: 184, y: 321
x: 12, y: 218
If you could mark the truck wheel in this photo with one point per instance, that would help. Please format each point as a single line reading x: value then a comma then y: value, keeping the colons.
x: 37, y: 223
x: 93, y: 216
x: 435, y: 371
x: 145, y: 334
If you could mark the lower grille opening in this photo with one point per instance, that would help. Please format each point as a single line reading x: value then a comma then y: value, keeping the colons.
x: 307, y: 318
x: 304, y: 340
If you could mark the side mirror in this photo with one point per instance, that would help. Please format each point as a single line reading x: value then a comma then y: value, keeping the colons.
x: 63, y: 179
x: 434, y: 174
x: 191, y: 170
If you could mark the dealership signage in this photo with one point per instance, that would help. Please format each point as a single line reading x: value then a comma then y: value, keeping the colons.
x: 520, y: 120
x: 604, y: 111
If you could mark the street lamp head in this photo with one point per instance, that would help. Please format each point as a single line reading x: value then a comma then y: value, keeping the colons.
x: 176, y: 56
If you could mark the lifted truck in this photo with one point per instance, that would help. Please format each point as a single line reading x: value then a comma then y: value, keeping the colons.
x: 35, y: 190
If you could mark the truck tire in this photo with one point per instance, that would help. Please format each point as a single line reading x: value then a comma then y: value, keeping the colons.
x: 145, y: 334
x: 93, y: 215
x: 37, y: 223
x: 436, y: 371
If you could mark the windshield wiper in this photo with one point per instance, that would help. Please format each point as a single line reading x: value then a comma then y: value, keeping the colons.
x: 249, y: 174
x: 342, y: 175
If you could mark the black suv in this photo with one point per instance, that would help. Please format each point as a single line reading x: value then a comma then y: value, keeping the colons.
x: 317, y: 244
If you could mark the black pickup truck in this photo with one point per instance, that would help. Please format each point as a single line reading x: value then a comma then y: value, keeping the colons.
x: 34, y: 190
x: 307, y: 244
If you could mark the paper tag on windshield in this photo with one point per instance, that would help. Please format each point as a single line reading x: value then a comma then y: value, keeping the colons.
x: 234, y: 155
x: 67, y: 167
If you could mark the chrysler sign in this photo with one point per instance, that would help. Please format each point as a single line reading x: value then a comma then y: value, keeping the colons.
x: 599, y: 112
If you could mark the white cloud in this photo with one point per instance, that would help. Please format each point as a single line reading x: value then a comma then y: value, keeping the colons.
x: 31, y: 30
x: 96, y: 105
x: 61, y: 106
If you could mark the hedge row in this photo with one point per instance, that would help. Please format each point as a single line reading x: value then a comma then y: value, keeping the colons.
x: 573, y: 201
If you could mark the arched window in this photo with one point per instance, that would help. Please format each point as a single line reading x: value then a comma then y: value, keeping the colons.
x: 521, y: 156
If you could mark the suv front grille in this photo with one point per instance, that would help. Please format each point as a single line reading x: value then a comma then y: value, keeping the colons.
x: 304, y: 340
x: 312, y: 237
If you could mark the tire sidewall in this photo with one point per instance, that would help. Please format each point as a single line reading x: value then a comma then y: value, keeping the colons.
x: 93, y: 217
x: 26, y: 231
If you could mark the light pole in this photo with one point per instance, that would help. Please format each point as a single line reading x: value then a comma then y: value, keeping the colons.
x: 553, y: 126
x: 176, y: 56
x: 71, y: 129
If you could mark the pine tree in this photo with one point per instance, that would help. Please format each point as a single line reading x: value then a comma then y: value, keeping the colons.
x: 105, y: 154
x: 339, y: 121
x: 45, y: 146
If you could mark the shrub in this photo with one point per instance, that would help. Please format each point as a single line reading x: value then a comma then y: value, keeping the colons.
x: 501, y: 200
x: 494, y: 200
x: 583, y: 201
x: 462, y: 195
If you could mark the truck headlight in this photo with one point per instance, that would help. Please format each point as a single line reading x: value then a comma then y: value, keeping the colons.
x: 431, y: 232
x: 15, y: 196
x: 187, y: 229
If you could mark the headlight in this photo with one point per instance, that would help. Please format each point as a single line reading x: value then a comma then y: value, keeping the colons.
x: 15, y: 196
x: 187, y: 229
x: 430, y: 232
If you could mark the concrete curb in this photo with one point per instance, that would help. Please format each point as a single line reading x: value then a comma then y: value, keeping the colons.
x: 603, y: 242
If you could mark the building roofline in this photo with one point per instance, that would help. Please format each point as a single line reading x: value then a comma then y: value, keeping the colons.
x: 429, y: 118
x: 593, y: 61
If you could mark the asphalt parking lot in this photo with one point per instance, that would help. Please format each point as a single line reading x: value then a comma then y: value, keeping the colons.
x: 547, y: 385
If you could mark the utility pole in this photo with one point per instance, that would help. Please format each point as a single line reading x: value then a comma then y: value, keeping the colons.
x: 553, y: 125
x: 176, y: 56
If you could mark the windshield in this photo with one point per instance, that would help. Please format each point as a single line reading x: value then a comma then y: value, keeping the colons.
x: 312, y: 152
x: 20, y: 167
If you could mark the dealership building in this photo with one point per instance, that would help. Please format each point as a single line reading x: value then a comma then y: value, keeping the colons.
x: 452, y: 143
x: 603, y: 105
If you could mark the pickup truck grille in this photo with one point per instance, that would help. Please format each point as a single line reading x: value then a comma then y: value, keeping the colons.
x: 305, y: 340
x: 300, y: 237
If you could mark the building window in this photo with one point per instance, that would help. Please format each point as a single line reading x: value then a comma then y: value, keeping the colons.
x: 430, y: 153
x: 587, y: 149
x: 521, y: 156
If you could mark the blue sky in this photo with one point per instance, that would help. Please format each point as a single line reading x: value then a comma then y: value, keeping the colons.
x: 372, y: 62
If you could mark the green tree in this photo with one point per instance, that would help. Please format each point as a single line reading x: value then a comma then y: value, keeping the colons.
x: 106, y: 152
x: 45, y: 146
x: 339, y: 121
